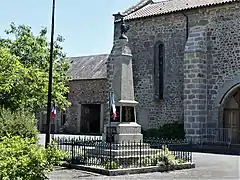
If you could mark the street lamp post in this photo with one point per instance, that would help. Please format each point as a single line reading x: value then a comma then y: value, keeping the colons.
x: 47, y: 140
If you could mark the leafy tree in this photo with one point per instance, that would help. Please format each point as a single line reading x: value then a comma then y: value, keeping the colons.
x: 24, y: 64
x: 18, y: 123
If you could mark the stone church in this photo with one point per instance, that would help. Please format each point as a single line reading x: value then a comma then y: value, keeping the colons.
x: 186, y: 59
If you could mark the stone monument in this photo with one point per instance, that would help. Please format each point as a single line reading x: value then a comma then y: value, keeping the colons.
x: 125, y: 129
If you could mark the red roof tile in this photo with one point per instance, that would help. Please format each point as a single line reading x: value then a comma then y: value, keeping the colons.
x: 169, y: 6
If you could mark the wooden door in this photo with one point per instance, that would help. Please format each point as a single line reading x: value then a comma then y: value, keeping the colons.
x: 231, y: 123
x: 90, y: 118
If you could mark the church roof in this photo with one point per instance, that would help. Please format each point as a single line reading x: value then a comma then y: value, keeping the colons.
x: 150, y: 8
x: 88, y: 67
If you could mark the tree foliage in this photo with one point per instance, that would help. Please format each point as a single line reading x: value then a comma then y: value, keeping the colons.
x: 19, y: 123
x: 24, y: 64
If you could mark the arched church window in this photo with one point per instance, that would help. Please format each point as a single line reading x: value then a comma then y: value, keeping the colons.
x: 159, y: 71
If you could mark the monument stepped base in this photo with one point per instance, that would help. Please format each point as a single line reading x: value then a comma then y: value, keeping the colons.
x: 123, y: 151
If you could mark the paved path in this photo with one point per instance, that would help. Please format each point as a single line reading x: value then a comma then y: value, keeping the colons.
x: 208, y: 166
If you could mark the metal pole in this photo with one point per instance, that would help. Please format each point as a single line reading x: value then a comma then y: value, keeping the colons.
x: 47, y: 140
x: 110, y: 124
x: 54, y: 128
x: 110, y: 103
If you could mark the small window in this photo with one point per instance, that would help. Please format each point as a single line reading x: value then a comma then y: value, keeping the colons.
x: 63, y: 117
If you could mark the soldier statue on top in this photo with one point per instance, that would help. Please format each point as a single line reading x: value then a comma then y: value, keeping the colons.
x: 124, y: 29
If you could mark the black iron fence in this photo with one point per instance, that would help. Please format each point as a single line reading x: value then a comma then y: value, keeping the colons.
x: 219, y: 136
x: 150, y: 152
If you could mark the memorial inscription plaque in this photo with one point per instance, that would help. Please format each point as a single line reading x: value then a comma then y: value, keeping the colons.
x: 128, y: 114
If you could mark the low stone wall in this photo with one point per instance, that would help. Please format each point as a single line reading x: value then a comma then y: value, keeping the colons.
x: 117, y: 172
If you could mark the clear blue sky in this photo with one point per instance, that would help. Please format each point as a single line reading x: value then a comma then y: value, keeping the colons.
x: 86, y: 25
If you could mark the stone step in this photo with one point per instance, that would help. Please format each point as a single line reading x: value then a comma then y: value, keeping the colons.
x: 123, y: 157
x: 123, y: 146
x: 125, y: 152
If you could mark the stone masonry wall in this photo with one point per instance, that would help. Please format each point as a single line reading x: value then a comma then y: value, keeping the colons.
x: 88, y: 91
x: 195, y: 83
x: 222, y: 57
x: 221, y: 24
x: 223, y: 54
x: 223, y: 42
x: 91, y: 91
x: 143, y: 35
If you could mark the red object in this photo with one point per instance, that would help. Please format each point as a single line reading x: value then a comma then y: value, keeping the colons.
x: 114, y: 116
x: 54, y: 111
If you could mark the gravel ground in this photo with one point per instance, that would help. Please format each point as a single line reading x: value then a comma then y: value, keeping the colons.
x: 208, y: 166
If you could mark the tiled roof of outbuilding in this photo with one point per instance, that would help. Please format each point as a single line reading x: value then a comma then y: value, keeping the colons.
x: 88, y: 67
x: 169, y: 6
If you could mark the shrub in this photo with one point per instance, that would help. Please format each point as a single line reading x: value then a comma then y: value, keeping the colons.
x: 173, y: 130
x: 22, y: 159
x: 165, y: 157
x: 20, y: 123
x: 112, y: 165
x: 146, y: 161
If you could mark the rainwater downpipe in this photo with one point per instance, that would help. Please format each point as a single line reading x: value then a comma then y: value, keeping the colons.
x: 187, y: 28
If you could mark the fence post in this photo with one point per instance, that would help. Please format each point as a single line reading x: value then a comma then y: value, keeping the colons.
x: 72, y: 150
x: 140, y: 153
x: 111, y: 154
x: 84, y: 151
x: 190, y: 157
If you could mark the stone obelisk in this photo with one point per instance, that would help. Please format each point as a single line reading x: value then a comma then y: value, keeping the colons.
x: 120, y: 76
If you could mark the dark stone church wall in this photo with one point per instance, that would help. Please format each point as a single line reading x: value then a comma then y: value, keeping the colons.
x: 223, y: 52
x: 196, y: 75
x: 143, y: 35
x: 222, y: 39
x: 211, y: 65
